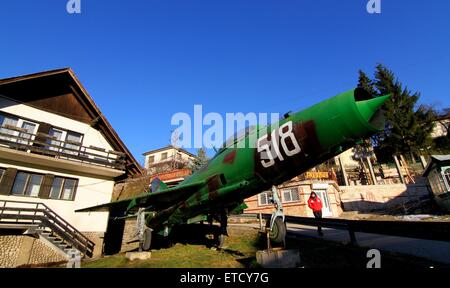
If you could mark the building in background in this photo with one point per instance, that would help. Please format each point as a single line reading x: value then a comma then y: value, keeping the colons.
x: 58, y: 153
x: 294, y: 195
x: 167, y: 159
x: 438, y: 175
x: 441, y: 125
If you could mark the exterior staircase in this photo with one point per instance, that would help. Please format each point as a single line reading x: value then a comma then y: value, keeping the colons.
x: 38, y: 220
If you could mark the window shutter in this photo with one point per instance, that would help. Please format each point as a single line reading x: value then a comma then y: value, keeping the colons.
x: 46, y: 186
x: 295, y: 194
x: 7, y: 181
x: 43, y: 128
x: 75, y: 188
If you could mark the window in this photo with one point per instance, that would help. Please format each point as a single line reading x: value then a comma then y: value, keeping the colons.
x: 63, y: 188
x: 151, y: 159
x: 73, y: 142
x: 56, y: 139
x: 437, y: 182
x: 447, y: 178
x: 55, y: 191
x: 9, y: 126
x: 65, y: 139
x: 164, y: 156
x: 27, y: 184
x: 290, y: 195
x: 29, y: 129
x: 265, y: 198
x: 2, y: 172
x: 5, y: 122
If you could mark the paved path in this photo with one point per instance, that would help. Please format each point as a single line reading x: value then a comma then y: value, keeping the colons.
x: 429, y: 249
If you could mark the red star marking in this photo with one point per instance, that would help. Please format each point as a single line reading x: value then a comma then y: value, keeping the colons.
x: 229, y: 159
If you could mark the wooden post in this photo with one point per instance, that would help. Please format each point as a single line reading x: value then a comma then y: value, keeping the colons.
x: 399, y: 170
x: 260, y: 222
x: 344, y: 174
x: 406, y: 167
x: 372, y: 173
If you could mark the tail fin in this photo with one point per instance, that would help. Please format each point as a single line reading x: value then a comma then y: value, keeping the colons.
x: 158, y: 185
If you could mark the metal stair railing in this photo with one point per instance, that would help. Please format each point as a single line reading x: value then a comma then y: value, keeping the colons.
x: 40, y: 215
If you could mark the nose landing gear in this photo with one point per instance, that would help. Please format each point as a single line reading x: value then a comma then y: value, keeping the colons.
x: 276, y: 227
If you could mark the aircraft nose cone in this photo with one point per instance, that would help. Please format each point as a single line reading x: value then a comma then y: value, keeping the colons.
x: 368, y: 108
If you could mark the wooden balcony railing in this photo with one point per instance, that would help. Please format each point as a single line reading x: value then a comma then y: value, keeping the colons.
x: 43, y: 144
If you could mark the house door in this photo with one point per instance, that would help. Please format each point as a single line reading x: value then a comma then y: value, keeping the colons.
x: 321, y: 191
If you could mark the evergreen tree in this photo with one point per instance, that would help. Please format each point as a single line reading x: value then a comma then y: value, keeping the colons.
x: 365, y: 83
x: 200, y: 160
x: 407, y: 128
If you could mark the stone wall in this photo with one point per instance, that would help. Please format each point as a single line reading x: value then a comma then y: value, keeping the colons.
x: 128, y: 233
x: 10, y: 250
x: 44, y: 252
x: 378, y: 197
x: 20, y: 250
x: 98, y: 239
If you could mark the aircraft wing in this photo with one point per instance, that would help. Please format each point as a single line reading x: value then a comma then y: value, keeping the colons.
x: 167, y: 196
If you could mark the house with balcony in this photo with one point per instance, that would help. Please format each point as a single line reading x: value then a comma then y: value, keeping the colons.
x: 171, y: 164
x: 58, y: 153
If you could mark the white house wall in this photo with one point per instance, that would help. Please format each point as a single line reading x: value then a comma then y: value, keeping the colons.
x: 90, y: 192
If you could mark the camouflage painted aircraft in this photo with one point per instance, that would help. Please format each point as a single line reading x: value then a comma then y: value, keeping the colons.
x: 269, y: 155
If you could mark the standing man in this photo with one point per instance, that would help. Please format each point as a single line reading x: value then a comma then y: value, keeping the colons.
x: 315, y: 204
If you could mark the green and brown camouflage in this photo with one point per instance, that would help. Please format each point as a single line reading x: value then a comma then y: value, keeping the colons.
x: 261, y: 158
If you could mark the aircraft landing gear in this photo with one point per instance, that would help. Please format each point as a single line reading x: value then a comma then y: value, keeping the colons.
x: 146, y: 240
x: 223, y: 228
x: 219, y: 233
x: 276, y: 227
x: 277, y: 233
x: 144, y: 234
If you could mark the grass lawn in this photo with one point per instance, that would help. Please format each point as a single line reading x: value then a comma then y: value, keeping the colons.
x: 240, y: 250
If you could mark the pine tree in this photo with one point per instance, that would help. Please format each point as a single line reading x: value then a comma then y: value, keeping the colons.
x: 200, y: 160
x: 407, y: 129
x: 365, y: 83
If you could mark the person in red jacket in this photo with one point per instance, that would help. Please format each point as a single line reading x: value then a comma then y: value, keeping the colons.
x: 315, y: 204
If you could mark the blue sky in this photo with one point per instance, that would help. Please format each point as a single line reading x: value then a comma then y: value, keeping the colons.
x: 144, y: 60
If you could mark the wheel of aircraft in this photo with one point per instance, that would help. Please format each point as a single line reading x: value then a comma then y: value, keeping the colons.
x: 278, y: 233
x: 146, y: 239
